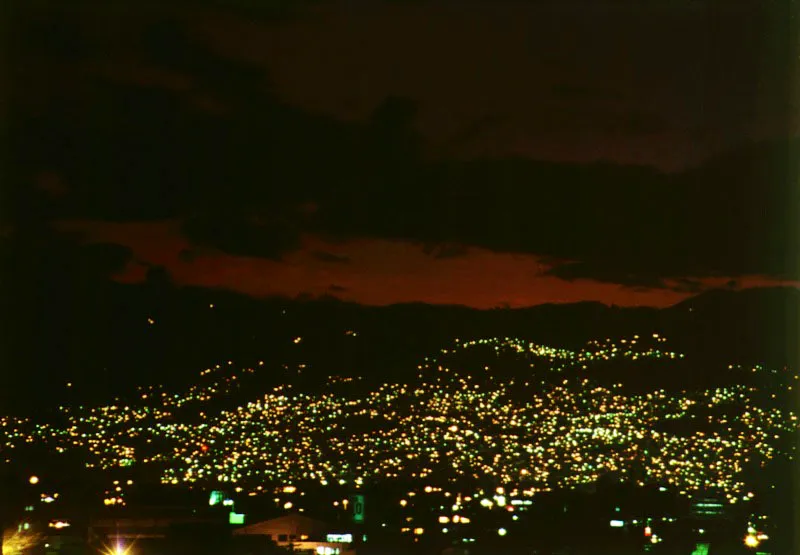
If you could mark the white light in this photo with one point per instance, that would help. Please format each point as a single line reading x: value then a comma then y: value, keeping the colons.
x: 502, y: 532
x: 340, y: 538
x: 617, y: 523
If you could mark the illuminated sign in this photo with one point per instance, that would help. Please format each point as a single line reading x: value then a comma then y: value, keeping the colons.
x: 235, y: 518
x: 617, y: 523
x: 708, y: 507
x: 340, y: 538
x: 358, y: 508
x: 700, y: 549
x: 216, y: 498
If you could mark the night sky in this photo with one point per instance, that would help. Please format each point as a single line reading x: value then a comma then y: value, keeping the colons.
x: 481, y: 153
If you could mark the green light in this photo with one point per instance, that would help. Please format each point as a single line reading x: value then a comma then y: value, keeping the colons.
x: 215, y: 498
x: 235, y: 518
x: 358, y: 508
x: 701, y: 549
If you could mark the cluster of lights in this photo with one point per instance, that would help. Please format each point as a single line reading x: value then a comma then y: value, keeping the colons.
x: 554, y: 430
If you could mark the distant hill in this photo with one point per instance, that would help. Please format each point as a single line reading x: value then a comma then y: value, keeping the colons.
x: 752, y: 325
x: 108, y: 337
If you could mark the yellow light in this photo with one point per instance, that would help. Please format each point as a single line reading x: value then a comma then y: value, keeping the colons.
x: 751, y: 541
x: 33, y: 480
x: 118, y: 549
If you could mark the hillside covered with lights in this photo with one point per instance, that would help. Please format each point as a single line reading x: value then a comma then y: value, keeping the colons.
x: 500, y: 410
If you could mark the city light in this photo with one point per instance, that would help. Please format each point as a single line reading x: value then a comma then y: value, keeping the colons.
x: 119, y: 549
x: 439, y: 423
x: 751, y: 541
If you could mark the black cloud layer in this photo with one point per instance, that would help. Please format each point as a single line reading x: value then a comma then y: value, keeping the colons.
x: 237, y: 165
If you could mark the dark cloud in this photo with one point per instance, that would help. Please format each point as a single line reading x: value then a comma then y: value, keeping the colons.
x: 147, y: 148
x: 104, y: 259
x: 187, y: 255
x: 37, y: 259
x: 235, y: 235
x: 573, y: 271
x: 330, y: 257
x: 441, y: 251
x: 685, y: 285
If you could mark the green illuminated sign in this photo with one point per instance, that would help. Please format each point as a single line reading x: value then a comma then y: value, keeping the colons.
x: 235, y: 518
x: 701, y: 549
x: 216, y: 498
x: 358, y: 508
